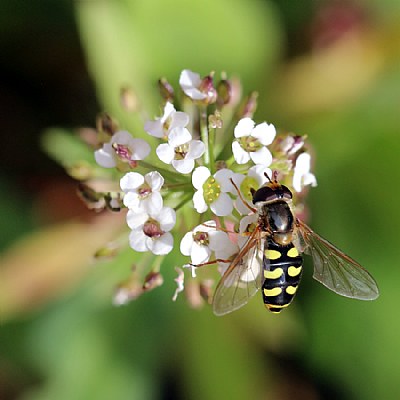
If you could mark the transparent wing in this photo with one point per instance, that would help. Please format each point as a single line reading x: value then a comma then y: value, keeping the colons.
x: 242, y: 279
x: 335, y: 270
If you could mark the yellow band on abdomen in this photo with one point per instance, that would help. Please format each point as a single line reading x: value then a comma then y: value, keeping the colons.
x: 276, y: 273
x: 273, y: 292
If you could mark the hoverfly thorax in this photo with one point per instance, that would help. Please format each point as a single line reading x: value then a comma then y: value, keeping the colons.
x: 275, y: 215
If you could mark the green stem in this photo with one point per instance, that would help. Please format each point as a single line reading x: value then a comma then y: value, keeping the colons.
x: 172, y: 176
x: 204, y: 134
x: 185, y: 199
x: 211, y: 144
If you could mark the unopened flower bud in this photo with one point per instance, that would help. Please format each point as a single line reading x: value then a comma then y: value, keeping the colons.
x: 207, y: 87
x: 166, y: 90
x: 248, y: 106
x: 224, y: 91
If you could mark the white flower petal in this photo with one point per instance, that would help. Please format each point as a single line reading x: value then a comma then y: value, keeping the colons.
x: 140, y: 149
x: 169, y: 110
x: 223, y: 206
x: 137, y: 240
x: 153, y: 203
x: 136, y: 220
x: 183, y: 166
x: 179, y: 136
x: 199, y: 176
x: 186, y: 244
x: 132, y: 201
x: 155, y: 180
x: 223, y: 177
x: 217, y: 240
x: 131, y: 181
x: 105, y: 156
x: 309, y: 179
x: 244, y: 127
x: 208, y: 226
x: 163, y: 245
x: 199, y: 254
x: 189, y: 79
x: 199, y: 202
x: 241, y: 156
x: 165, y: 153
x: 262, y: 156
x: 179, y: 119
x: 258, y: 172
x: 121, y: 137
x: 264, y: 133
x: 166, y: 217
x: 227, y: 251
x: 154, y: 128
x: 196, y: 150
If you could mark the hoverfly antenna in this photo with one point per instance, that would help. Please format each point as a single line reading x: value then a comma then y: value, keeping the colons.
x: 267, y: 176
x: 275, y: 176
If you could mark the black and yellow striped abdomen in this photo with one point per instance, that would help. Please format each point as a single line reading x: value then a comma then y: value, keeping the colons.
x: 282, y: 272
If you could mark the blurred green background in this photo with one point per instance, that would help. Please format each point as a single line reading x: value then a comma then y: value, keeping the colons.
x: 328, y: 69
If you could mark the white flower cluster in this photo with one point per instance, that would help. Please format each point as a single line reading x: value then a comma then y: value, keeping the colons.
x: 200, y: 170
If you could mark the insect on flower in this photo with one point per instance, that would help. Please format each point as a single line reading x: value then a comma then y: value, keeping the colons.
x: 271, y: 259
x: 205, y: 162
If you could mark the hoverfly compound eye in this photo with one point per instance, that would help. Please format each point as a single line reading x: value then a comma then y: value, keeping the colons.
x: 286, y: 193
x: 263, y: 194
x: 271, y: 193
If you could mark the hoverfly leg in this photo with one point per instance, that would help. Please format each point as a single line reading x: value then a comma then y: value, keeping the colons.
x: 252, y: 209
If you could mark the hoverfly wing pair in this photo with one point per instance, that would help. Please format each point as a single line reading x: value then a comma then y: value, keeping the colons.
x: 334, y: 269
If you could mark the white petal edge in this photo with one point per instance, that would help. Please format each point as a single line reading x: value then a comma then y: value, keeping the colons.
x: 244, y: 127
x: 199, y: 202
x: 165, y: 153
x: 262, y: 156
x: 241, y: 156
x: 223, y: 206
x: 131, y: 181
x: 199, y: 176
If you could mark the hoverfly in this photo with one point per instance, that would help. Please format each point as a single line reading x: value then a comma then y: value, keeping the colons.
x: 271, y: 259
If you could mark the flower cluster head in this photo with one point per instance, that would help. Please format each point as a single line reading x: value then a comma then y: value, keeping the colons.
x: 188, y: 194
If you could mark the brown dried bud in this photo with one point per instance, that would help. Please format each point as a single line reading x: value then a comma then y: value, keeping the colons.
x: 105, y: 124
x: 152, y: 280
x: 129, y: 100
x: 215, y: 120
x: 166, y: 90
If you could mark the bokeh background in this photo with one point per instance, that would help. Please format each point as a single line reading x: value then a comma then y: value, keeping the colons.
x: 329, y: 69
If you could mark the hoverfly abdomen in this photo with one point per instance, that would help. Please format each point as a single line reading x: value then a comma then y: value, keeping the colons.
x: 282, y: 272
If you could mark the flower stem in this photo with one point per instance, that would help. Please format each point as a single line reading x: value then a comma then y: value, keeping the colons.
x: 172, y: 176
x: 211, y: 144
x: 204, y: 134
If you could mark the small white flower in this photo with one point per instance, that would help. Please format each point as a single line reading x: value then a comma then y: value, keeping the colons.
x: 122, y: 147
x: 251, y: 142
x: 254, y: 179
x: 212, y: 191
x: 302, y: 175
x: 150, y: 231
x: 180, y: 279
x: 142, y: 193
x: 161, y: 127
x: 190, y: 83
x: 205, y: 239
x: 181, y: 150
